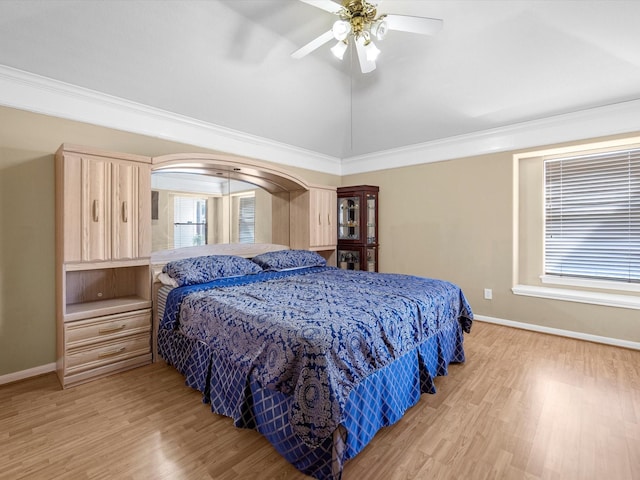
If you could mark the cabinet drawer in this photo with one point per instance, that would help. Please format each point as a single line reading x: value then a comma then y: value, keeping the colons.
x: 93, y: 356
x: 86, y: 332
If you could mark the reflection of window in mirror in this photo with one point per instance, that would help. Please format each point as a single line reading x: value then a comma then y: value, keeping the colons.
x: 243, y: 213
x: 189, y: 221
x: 195, y: 208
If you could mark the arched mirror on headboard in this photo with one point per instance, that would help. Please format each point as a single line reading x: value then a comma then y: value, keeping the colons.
x: 201, y: 198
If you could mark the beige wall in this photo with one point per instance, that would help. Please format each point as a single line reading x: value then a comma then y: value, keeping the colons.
x: 450, y: 220
x: 27, y: 246
x: 27, y: 257
x: 454, y: 220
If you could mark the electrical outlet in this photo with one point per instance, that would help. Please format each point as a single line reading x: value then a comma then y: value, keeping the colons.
x: 488, y: 294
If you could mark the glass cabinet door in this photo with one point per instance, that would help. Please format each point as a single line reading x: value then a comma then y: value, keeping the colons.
x: 371, y: 218
x: 349, y: 218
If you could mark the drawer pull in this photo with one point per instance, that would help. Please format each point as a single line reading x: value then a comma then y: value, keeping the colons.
x: 109, y: 353
x: 112, y: 328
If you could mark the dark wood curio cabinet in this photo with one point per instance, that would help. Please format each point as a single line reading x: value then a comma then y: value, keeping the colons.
x: 358, y: 228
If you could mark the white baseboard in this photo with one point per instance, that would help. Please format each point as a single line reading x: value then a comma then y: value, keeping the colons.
x: 562, y: 333
x: 30, y: 372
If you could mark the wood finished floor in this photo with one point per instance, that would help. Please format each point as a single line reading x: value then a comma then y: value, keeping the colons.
x: 524, y: 406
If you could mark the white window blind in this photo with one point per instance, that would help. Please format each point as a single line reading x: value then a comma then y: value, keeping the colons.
x: 592, y: 216
x: 190, y: 221
x: 246, y: 218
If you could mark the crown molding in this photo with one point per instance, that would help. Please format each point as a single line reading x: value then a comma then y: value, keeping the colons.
x: 585, y: 124
x: 27, y: 91
x: 35, y: 93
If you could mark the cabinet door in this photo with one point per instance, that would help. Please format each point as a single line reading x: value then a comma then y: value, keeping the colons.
x: 330, y: 236
x: 315, y: 218
x: 96, y: 209
x: 124, y: 211
x: 370, y: 224
x: 322, y: 229
x: 349, y: 219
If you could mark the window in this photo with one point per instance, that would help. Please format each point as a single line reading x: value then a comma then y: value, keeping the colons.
x: 190, y: 221
x: 592, y: 216
x: 246, y: 219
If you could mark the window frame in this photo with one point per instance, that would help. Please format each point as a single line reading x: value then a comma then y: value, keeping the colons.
x: 528, y: 276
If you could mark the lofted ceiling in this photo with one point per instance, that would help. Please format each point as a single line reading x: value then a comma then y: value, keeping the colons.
x: 227, y: 63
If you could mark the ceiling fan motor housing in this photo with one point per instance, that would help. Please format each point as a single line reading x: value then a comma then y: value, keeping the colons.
x: 360, y: 14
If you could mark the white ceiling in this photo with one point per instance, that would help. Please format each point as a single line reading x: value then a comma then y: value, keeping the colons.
x: 227, y: 63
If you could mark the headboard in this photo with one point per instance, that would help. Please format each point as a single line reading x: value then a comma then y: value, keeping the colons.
x: 161, y: 258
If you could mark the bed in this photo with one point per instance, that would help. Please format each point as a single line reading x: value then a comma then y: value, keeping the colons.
x: 317, y: 359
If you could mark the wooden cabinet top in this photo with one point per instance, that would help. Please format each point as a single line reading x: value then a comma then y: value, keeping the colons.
x: 95, y: 152
x: 352, y: 190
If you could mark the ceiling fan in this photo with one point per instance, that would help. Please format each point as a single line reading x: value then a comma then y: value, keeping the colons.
x: 360, y: 23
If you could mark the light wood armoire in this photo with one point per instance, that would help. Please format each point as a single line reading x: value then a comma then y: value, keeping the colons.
x: 103, y: 245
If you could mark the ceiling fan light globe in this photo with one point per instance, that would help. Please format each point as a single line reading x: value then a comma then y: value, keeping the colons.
x: 379, y: 29
x: 338, y: 49
x: 371, y: 51
x: 341, y: 29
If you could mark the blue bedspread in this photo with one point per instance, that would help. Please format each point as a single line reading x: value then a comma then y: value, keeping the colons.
x: 314, y: 334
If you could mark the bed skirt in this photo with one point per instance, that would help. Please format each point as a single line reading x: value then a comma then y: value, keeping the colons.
x: 379, y: 400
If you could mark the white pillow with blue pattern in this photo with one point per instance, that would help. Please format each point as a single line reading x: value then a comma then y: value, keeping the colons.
x: 289, y: 260
x: 195, y: 270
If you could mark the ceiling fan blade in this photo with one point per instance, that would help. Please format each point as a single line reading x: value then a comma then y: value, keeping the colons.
x: 327, y: 5
x: 313, y: 44
x: 365, y: 65
x: 408, y: 23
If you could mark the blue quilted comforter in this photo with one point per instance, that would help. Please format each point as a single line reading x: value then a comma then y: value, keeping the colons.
x: 315, y: 333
